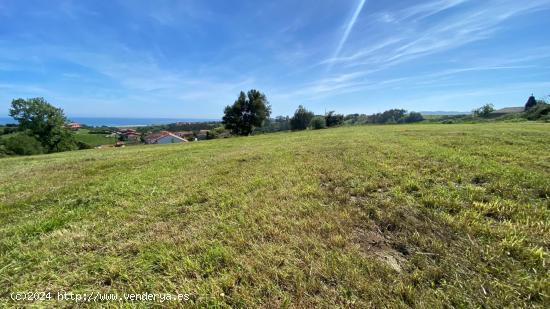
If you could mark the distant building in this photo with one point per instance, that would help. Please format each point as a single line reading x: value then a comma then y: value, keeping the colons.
x: 129, y: 135
x: 202, y: 134
x: 185, y: 134
x: 73, y: 126
x: 164, y: 137
x: 133, y: 137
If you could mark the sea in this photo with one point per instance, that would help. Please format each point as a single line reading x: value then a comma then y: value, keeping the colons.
x: 121, y: 122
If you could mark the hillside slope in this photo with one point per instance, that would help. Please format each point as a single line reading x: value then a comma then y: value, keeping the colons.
x: 407, y: 215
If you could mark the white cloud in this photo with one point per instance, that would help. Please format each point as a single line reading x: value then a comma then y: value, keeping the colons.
x: 465, y: 22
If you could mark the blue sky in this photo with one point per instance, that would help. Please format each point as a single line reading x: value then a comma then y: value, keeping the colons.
x: 190, y: 58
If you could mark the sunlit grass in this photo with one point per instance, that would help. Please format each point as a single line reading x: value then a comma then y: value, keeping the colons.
x: 407, y: 215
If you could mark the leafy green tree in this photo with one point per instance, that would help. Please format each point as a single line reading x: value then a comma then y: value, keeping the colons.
x: 484, y: 111
x: 44, y: 121
x: 333, y: 119
x: 318, y: 122
x: 23, y: 144
x: 531, y: 102
x: 301, y: 119
x: 248, y: 112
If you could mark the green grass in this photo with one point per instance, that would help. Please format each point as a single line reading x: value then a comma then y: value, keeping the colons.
x: 84, y: 136
x: 424, y: 216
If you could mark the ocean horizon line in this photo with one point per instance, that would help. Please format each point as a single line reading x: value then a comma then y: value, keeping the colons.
x: 122, y: 121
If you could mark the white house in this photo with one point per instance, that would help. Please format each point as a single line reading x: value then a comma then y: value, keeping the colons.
x: 165, y: 137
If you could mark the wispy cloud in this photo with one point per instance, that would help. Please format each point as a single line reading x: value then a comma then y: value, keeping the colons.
x: 349, y: 27
x: 194, y: 57
x: 464, y: 22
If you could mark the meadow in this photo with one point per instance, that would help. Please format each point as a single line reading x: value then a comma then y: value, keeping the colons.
x: 424, y: 215
x: 84, y: 136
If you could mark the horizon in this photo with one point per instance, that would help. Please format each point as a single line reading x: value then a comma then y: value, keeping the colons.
x: 135, y: 59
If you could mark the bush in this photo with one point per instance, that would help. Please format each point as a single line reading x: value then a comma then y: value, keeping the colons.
x: 3, y: 151
x: 333, y: 119
x: 7, y: 130
x: 22, y: 144
x: 318, y: 122
x: 538, y: 112
x: 82, y: 145
x: 301, y: 119
x: 102, y: 131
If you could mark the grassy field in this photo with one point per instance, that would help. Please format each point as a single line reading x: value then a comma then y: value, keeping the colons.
x: 372, y: 216
x: 84, y: 136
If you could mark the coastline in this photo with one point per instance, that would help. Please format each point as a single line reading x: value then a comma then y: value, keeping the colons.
x: 122, y: 122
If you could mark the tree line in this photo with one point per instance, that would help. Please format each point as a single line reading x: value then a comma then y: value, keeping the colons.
x: 41, y: 126
x: 251, y: 113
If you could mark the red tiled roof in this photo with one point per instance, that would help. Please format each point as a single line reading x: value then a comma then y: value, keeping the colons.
x: 151, y: 139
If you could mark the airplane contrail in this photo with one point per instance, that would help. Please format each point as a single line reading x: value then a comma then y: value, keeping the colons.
x: 349, y: 28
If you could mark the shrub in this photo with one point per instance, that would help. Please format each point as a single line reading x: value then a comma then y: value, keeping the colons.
x: 8, y: 130
x: 318, y: 122
x: 333, y: 120
x: 3, y: 151
x: 22, y: 144
x: 301, y: 119
x: 540, y: 111
x: 82, y: 145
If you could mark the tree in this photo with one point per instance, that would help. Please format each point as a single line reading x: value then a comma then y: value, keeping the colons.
x: 484, y: 111
x: 334, y: 119
x: 44, y: 121
x: 389, y: 116
x: 318, y: 122
x: 22, y: 144
x: 248, y: 112
x: 531, y: 102
x: 301, y: 119
x: 412, y: 117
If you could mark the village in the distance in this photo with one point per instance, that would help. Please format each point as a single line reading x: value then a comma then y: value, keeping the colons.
x: 180, y: 132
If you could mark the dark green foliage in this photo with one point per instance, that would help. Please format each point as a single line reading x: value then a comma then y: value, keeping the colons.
x: 539, y: 111
x: 82, y: 145
x: 318, y: 122
x: 531, y: 102
x: 44, y: 121
x: 411, y: 118
x: 301, y: 119
x: 180, y: 126
x: 101, y: 130
x: 389, y: 116
x: 356, y: 119
x: 248, y: 112
x: 484, y: 111
x: 277, y: 124
x: 219, y: 132
x: 7, y: 130
x: 60, y: 140
x: 333, y: 119
x: 3, y: 150
x: 22, y: 144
